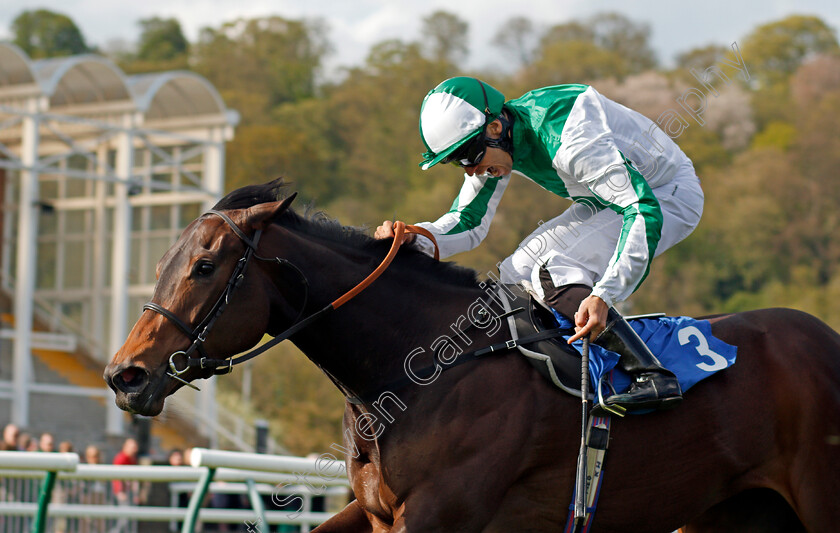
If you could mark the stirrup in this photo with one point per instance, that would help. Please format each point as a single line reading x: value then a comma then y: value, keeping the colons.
x: 601, y: 408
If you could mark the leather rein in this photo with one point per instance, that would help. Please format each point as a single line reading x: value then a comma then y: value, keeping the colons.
x: 198, y: 334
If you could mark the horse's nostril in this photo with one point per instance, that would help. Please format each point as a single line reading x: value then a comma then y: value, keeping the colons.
x: 128, y: 375
x: 131, y: 379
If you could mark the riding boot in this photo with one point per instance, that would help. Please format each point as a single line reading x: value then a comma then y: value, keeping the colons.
x: 653, y: 387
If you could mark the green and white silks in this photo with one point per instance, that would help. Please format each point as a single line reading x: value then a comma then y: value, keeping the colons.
x: 609, y: 160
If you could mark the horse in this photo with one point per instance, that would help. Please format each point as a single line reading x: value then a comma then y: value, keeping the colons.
x: 488, y: 446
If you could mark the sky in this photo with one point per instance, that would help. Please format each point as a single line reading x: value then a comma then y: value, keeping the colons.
x: 355, y: 25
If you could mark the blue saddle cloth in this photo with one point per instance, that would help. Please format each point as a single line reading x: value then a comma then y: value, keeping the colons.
x: 683, y: 345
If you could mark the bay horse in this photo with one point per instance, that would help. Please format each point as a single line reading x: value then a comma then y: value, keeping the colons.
x: 488, y: 446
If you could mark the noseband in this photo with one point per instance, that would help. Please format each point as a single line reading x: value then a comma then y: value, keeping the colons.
x: 198, y: 334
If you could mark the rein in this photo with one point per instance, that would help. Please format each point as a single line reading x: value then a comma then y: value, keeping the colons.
x: 198, y: 335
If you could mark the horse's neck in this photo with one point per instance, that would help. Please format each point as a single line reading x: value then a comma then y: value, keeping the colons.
x: 364, y: 343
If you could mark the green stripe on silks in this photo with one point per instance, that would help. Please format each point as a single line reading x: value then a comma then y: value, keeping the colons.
x: 471, y: 215
x: 650, y: 211
x: 541, y: 117
x: 40, y: 522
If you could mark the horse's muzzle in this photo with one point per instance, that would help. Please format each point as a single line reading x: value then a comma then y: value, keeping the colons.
x: 130, y: 384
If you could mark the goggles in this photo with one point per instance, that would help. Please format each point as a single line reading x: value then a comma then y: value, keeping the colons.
x: 471, y: 153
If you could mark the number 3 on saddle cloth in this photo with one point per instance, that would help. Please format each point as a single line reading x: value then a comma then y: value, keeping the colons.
x: 683, y: 345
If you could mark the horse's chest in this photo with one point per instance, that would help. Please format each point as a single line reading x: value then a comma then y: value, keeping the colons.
x: 368, y: 484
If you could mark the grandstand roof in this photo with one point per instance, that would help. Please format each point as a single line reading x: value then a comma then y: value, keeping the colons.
x: 82, y: 79
x: 174, y: 94
x: 15, y: 66
x: 92, y: 79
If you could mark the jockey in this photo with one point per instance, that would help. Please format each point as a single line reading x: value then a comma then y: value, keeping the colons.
x: 635, y: 194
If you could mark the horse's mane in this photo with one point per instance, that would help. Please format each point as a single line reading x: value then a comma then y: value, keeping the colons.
x: 318, y: 224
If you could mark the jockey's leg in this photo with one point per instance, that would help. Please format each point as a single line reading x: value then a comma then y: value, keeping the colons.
x: 653, y: 387
x: 565, y: 257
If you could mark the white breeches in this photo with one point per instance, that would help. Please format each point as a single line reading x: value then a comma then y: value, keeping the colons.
x: 576, y: 246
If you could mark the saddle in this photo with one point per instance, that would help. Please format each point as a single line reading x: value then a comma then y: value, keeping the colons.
x: 555, y: 360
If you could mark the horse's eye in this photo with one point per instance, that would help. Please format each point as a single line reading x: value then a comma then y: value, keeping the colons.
x: 203, y: 268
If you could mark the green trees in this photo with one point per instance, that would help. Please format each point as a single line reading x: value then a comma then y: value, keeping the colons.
x: 768, y: 234
x: 445, y: 37
x: 258, y: 64
x: 515, y: 39
x: 701, y: 58
x: 580, y: 51
x: 775, y: 50
x: 43, y: 33
x: 628, y: 39
x: 162, y: 46
x: 267, y: 69
x: 161, y: 40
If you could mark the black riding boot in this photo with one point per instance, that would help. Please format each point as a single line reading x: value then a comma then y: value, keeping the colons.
x: 653, y: 387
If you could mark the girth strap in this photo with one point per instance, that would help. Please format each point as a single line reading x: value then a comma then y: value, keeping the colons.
x: 513, y: 343
x: 467, y: 357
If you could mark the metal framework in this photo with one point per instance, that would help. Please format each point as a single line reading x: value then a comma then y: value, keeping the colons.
x: 99, y: 173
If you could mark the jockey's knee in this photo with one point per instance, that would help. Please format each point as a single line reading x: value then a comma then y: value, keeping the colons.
x: 564, y: 299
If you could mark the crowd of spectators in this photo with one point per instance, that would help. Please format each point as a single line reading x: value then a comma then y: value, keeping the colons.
x: 16, y: 440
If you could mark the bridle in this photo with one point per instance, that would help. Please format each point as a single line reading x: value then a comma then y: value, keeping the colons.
x: 198, y: 334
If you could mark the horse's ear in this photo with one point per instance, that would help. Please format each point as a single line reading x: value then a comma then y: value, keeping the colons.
x: 261, y: 215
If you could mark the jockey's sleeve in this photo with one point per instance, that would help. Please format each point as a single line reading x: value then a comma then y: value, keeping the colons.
x: 467, y: 222
x: 589, y: 155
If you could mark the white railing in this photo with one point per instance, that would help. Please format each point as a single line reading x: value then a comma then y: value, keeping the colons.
x: 288, y: 485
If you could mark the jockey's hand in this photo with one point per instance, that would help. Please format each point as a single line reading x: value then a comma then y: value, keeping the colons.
x: 386, y: 231
x: 591, y: 318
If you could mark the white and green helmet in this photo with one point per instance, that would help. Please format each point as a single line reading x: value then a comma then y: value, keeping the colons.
x: 455, y: 112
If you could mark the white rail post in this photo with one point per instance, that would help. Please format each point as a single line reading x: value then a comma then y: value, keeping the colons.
x: 25, y: 272
x: 121, y: 256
